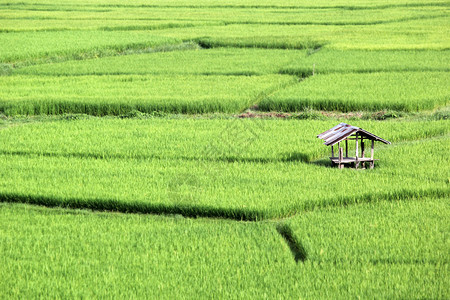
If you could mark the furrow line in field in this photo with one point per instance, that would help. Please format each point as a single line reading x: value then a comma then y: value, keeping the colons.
x: 108, y: 28
x: 312, y: 23
x: 109, y: 205
x: 108, y: 7
x: 208, y: 22
x: 269, y: 92
x: 7, y: 66
x: 195, y: 211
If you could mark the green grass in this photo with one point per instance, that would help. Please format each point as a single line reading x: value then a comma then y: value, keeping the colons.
x: 115, y: 95
x: 222, y: 61
x: 12, y: 25
x: 322, y: 233
x: 427, y: 34
x: 31, y: 46
x: 349, y: 61
x: 71, y: 254
x: 350, y: 252
x: 363, y: 233
x: 49, y: 18
x: 402, y: 91
x: 404, y: 242
x: 349, y: 4
x: 234, y: 170
x: 196, y: 139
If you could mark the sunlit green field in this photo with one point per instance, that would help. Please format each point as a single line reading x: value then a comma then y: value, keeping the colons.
x: 211, y: 167
x: 168, y: 149
x: 402, y: 91
x: 115, y: 95
x: 350, y: 251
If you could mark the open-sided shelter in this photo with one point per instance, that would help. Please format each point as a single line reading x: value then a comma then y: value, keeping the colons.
x: 343, y: 133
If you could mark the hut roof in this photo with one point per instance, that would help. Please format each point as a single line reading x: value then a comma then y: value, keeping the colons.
x: 342, y: 131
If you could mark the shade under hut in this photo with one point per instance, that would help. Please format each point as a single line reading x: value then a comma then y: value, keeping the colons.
x: 344, y: 133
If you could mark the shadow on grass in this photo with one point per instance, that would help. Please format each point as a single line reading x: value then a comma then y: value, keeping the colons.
x: 297, y: 249
x: 285, y: 157
x: 205, y: 211
x: 191, y: 211
x: 295, y: 156
x: 323, y: 162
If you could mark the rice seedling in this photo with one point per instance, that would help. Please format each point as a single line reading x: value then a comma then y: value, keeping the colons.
x: 221, y: 61
x: 32, y: 95
x: 356, y: 61
x: 15, y: 25
x: 66, y: 253
x: 349, y: 4
x: 401, y: 246
x: 135, y: 169
x: 403, y: 91
x: 49, y: 18
x: 388, y: 249
x: 64, y: 45
x: 408, y: 35
x: 323, y: 233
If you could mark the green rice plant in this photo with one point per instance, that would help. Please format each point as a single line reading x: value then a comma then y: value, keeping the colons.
x: 378, y: 233
x: 66, y: 253
x: 364, y: 233
x: 222, y: 61
x: 355, y: 61
x: 116, y: 95
x: 232, y: 170
x: 406, y: 238
x: 426, y: 34
x: 24, y: 24
x: 405, y: 91
x: 349, y: 4
x: 195, y: 139
x: 31, y: 46
x: 388, y: 250
x: 49, y: 18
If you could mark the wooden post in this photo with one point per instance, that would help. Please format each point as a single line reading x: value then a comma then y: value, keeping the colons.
x: 362, y: 148
x: 363, y: 164
x: 372, y: 162
x: 332, y: 151
x: 372, y: 150
x: 363, y: 153
x: 346, y: 148
x: 356, y: 152
x: 341, y: 154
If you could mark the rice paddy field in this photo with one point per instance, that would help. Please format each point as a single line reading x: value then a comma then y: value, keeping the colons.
x: 168, y: 149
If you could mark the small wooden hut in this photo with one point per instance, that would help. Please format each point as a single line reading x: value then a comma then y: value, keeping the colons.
x: 343, y: 133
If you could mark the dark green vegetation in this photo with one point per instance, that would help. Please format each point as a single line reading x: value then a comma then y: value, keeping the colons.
x: 128, y: 170
x: 240, y: 169
x: 220, y: 61
x: 125, y: 93
x: 109, y: 40
x: 361, y: 61
x: 388, y: 250
x: 401, y: 91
